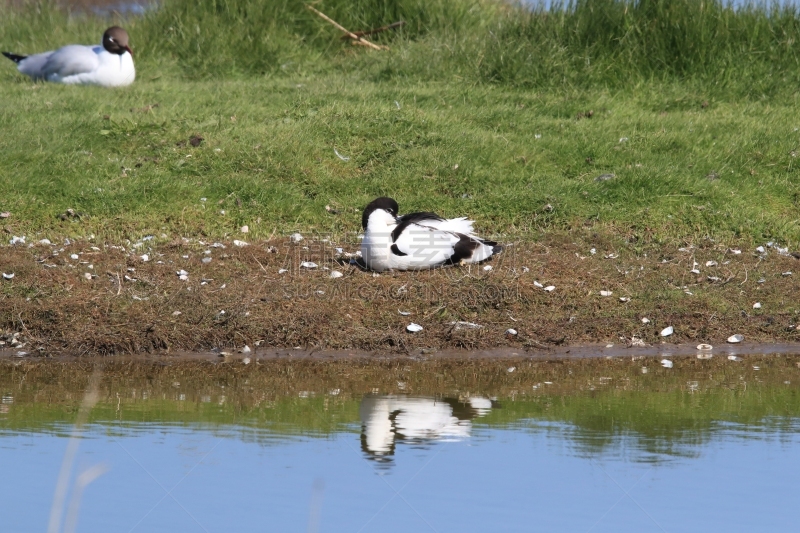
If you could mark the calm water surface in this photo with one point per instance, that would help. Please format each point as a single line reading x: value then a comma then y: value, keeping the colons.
x: 173, y: 460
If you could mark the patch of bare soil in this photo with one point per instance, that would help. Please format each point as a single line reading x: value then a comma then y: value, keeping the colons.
x: 99, y: 299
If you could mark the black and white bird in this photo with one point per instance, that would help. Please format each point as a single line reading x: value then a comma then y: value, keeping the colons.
x: 418, y: 241
x: 107, y: 65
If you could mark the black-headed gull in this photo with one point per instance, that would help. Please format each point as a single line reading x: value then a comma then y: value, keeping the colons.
x: 109, y: 65
x: 418, y: 241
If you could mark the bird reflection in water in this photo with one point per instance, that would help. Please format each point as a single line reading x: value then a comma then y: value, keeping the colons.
x: 388, y: 419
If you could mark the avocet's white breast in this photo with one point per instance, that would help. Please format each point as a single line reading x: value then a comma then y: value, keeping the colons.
x: 375, y: 248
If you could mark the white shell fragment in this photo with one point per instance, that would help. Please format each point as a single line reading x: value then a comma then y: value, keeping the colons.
x: 88, y: 276
x: 550, y: 288
x: 511, y: 331
x: 785, y: 274
x: 757, y: 305
x: 240, y: 244
x: 176, y: 313
x: 705, y: 347
x: 667, y: 331
x: 17, y: 240
x: 760, y: 249
x: 74, y: 257
x: 336, y: 274
x: 705, y: 355
x: 487, y: 268
x: 308, y: 264
x: 666, y: 363
x: 246, y: 360
x: 511, y: 369
x: 206, y: 260
x: 144, y: 257
x: 182, y: 273
x: 282, y: 271
x: 734, y: 358
x: 465, y: 325
x: 295, y: 237
x: 403, y: 313
x: 645, y: 320
x: 711, y: 263
x: 413, y: 328
x: 624, y: 299
x: 735, y: 339
x: 8, y: 276
x: 694, y: 271
x: 606, y: 293
x: 537, y: 284
x: 246, y: 349
x: 244, y: 229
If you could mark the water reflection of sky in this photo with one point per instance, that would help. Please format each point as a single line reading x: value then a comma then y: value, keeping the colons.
x: 529, y: 477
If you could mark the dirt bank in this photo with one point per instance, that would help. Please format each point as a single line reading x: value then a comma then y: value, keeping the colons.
x: 88, y: 298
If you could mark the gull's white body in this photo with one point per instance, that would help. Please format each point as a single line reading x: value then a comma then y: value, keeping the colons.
x: 77, y: 64
x: 424, y: 241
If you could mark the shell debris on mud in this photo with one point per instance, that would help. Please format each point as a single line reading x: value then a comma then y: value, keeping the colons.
x: 271, y: 292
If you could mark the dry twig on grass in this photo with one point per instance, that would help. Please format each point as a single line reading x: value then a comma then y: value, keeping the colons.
x: 392, y: 26
x: 357, y: 39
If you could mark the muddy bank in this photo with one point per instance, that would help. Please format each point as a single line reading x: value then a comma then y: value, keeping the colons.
x: 557, y: 354
x: 88, y: 298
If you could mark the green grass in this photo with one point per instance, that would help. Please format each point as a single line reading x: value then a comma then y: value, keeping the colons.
x: 470, y: 83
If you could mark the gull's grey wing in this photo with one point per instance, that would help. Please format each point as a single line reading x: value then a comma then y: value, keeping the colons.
x: 33, y: 66
x: 70, y: 60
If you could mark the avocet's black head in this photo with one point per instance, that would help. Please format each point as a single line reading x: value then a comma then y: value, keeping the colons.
x: 387, y: 204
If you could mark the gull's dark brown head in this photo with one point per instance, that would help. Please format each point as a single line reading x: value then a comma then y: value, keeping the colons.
x: 115, y: 41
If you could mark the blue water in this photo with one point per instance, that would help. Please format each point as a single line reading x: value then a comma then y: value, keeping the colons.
x: 420, y: 468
